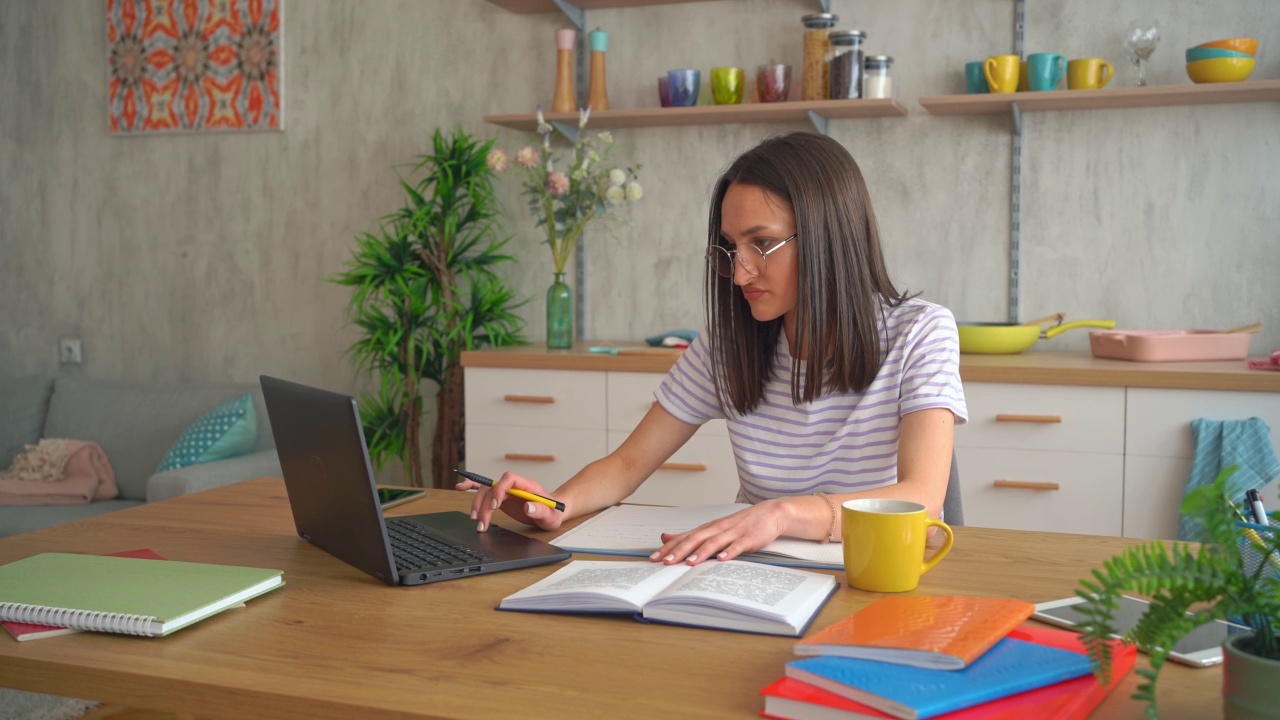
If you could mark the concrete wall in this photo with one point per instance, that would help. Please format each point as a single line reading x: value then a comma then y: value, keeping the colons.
x: 202, y: 256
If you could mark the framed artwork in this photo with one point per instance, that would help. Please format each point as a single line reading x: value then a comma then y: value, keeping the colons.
x: 194, y: 65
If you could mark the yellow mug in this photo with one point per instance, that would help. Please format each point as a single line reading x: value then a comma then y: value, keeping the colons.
x: 1089, y: 74
x: 1002, y: 73
x: 884, y: 543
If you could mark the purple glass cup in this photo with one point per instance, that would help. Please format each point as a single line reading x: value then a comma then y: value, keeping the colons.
x: 683, y: 85
x: 664, y: 94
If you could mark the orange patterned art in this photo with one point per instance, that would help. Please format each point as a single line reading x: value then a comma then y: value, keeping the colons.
x: 179, y: 65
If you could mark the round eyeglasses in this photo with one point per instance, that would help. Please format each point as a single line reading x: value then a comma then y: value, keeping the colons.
x: 751, y: 258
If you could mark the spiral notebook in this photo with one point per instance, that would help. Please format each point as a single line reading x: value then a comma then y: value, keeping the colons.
x: 131, y: 596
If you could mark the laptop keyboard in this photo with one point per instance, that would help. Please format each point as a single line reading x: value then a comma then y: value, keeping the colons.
x: 414, y: 548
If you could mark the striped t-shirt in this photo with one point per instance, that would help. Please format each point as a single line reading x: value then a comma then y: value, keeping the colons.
x: 841, y: 442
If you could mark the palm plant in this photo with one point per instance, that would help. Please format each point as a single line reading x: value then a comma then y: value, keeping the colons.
x: 425, y: 291
x: 1217, y: 579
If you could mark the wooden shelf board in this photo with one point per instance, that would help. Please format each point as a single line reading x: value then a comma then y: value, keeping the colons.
x: 713, y: 114
x: 527, y: 7
x: 1151, y: 96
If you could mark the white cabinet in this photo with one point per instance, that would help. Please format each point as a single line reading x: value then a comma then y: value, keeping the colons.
x: 1043, y: 457
x: 1160, y: 446
x: 548, y: 424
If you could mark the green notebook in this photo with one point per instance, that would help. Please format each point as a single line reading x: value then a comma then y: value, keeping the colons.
x: 132, y: 596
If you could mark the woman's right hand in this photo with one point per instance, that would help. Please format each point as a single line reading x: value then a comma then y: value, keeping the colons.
x: 488, y: 499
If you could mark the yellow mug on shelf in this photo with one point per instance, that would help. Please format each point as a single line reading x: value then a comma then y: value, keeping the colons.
x: 884, y: 543
x: 1089, y: 74
x: 1002, y: 73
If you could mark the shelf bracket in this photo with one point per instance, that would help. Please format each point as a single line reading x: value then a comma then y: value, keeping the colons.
x: 569, y: 130
x: 820, y: 123
x: 1015, y: 215
x: 824, y: 6
x: 576, y: 15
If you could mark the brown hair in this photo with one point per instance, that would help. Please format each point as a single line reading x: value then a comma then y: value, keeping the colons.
x: 842, y: 283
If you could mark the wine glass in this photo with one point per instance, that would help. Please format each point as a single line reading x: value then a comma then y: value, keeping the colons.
x: 1140, y: 41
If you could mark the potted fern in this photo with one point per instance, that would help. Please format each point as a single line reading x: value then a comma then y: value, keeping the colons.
x: 1233, y: 575
x: 426, y: 289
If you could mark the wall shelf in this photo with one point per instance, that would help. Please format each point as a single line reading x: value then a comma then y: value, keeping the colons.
x: 1151, y: 96
x: 529, y: 7
x: 714, y: 114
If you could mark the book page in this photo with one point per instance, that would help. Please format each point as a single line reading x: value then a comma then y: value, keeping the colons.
x: 590, y: 584
x: 735, y: 595
x: 637, y: 530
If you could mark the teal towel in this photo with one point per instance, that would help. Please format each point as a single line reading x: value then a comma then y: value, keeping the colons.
x: 1220, y: 444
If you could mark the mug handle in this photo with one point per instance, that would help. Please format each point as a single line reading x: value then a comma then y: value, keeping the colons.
x: 946, y: 545
x: 988, y: 68
x: 1106, y: 76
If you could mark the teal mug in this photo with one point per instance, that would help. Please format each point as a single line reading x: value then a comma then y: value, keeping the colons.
x: 974, y: 80
x: 1045, y: 70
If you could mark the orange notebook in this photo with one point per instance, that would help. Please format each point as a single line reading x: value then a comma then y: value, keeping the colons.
x: 944, y: 632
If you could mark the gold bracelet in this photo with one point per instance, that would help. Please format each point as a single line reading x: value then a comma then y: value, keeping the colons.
x: 835, y: 518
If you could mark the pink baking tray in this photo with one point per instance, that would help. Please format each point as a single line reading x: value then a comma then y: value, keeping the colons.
x: 1168, y: 345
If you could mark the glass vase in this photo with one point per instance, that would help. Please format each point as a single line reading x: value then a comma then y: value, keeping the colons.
x: 559, y: 314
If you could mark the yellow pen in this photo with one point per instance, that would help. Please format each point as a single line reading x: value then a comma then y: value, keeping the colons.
x: 487, y: 482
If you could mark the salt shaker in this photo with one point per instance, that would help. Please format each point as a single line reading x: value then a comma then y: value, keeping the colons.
x: 876, y: 82
x: 565, y: 98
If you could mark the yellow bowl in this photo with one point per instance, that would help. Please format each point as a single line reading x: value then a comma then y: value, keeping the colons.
x: 1244, y: 45
x: 1216, y: 70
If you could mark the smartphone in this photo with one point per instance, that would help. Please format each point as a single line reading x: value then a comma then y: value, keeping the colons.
x: 392, y: 496
x: 1201, y: 647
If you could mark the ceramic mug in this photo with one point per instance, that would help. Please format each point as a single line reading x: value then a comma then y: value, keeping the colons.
x: 884, y: 543
x: 1002, y: 73
x: 1045, y: 70
x: 726, y: 85
x: 1089, y: 74
x: 974, y: 79
x: 683, y: 87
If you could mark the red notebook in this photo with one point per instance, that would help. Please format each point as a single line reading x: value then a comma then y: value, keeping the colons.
x: 789, y: 699
x: 26, y: 631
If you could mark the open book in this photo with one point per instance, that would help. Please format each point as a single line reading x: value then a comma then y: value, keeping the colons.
x: 637, y: 530
x: 729, y: 595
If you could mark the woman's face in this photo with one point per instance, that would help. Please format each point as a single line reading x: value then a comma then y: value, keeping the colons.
x: 751, y: 215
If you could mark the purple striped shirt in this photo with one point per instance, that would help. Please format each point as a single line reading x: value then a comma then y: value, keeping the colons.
x: 841, y: 442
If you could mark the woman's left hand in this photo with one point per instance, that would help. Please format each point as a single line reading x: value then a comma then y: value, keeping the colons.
x: 745, y: 531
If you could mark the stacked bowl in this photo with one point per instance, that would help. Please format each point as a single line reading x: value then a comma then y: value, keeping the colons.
x: 1227, y: 60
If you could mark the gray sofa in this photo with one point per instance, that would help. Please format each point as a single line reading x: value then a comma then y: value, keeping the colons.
x: 135, y: 423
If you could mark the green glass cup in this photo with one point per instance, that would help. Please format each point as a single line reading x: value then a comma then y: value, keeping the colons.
x: 726, y: 85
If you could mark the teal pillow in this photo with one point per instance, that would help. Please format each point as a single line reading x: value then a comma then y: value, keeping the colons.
x: 225, y: 431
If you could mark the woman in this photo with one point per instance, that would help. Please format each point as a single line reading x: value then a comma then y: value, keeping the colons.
x: 834, y: 385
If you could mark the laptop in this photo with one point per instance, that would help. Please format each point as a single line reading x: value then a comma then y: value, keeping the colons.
x: 334, y: 498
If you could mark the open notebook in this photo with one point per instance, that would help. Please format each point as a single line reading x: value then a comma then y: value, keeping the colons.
x: 637, y: 529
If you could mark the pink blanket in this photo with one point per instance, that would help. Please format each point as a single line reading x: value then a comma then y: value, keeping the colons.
x: 59, y: 472
x: 1271, y: 363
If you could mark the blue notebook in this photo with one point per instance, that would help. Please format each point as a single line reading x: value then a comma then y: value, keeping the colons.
x: 912, y: 693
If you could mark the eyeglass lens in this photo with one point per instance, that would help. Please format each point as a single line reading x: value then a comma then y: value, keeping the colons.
x: 752, y: 260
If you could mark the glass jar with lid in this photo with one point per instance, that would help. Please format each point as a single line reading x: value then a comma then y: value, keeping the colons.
x: 876, y: 82
x: 813, y: 84
x: 846, y: 64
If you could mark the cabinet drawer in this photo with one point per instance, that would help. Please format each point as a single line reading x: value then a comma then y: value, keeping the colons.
x: 1043, y: 417
x: 703, y: 472
x: 1087, y: 499
x: 535, y: 398
x: 1153, y: 489
x: 1159, y: 421
x: 548, y: 455
x: 631, y: 394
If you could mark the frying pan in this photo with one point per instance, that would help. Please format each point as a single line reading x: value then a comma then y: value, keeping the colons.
x: 1010, y: 338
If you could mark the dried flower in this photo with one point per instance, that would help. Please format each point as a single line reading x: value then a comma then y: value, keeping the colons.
x: 617, y: 177
x: 634, y: 191
x: 615, y: 194
x: 606, y: 137
x: 497, y: 160
x: 557, y: 183
x: 528, y: 157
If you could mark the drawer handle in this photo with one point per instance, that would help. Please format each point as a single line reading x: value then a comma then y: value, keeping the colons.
x: 691, y: 467
x: 1042, y: 419
x: 546, y: 399
x: 530, y: 457
x: 1025, y: 485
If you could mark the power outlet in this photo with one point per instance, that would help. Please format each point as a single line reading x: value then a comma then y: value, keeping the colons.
x: 69, y: 351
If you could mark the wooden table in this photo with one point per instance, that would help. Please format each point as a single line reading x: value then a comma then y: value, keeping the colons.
x: 336, y: 643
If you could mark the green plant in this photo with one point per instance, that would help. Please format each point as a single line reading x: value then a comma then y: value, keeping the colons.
x: 1211, y: 582
x: 425, y: 291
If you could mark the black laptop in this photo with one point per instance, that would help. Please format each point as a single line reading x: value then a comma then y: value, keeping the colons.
x: 334, y: 499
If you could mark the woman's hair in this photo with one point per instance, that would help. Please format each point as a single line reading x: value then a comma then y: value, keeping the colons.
x: 843, y: 282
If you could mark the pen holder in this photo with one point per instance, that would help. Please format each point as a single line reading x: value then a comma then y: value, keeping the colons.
x: 1253, y: 548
